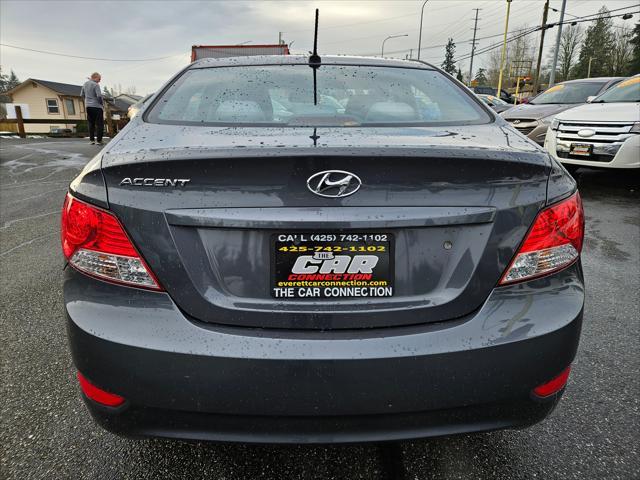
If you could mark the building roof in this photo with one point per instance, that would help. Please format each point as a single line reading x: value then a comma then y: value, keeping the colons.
x: 129, y: 98
x: 60, y: 88
x: 119, y: 105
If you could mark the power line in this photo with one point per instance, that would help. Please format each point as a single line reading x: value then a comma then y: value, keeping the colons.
x: 518, y: 30
x: 499, y: 44
x: 466, y: 56
x: 585, y: 18
x: 535, y: 29
x: 90, y: 58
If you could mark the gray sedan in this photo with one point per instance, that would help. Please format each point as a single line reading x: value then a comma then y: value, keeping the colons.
x: 375, y: 268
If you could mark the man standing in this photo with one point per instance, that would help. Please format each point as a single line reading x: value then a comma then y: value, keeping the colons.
x: 93, y: 103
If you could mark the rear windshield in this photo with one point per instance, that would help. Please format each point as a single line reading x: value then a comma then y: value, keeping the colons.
x: 343, y: 96
x: 577, y: 92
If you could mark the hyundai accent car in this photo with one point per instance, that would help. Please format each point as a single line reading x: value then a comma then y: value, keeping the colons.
x: 404, y: 266
x: 602, y: 134
x: 533, y: 118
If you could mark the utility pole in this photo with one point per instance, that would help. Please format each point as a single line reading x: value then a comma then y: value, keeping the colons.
x: 589, y: 69
x: 279, y: 38
x: 420, y: 34
x: 504, y: 49
x: 473, y: 45
x: 536, y: 80
x: 552, y: 78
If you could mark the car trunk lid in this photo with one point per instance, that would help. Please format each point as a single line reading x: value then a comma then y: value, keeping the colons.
x: 454, y: 205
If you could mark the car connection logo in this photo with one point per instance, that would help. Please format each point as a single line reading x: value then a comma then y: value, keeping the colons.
x: 155, y: 182
x: 327, y: 262
x: 334, y: 183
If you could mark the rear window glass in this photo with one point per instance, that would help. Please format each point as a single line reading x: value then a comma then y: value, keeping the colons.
x: 345, y: 96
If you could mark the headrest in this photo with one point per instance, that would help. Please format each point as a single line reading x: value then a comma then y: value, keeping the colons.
x: 391, y: 112
x: 239, y: 111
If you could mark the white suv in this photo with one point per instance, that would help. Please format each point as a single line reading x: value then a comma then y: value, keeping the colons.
x: 603, y: 133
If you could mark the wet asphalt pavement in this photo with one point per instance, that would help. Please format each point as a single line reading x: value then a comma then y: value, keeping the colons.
x: 47, y: 433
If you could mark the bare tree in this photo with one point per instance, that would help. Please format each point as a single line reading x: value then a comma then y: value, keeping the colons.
x: 131, y: 90
x: 520, y: 54
x: 116, y: 89
x: 522, y: 47
x: 622, y: 51
x: 568, y: 53
x: 493, y: 67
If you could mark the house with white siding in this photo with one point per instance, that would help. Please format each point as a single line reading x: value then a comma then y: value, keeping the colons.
x: 49, y: 100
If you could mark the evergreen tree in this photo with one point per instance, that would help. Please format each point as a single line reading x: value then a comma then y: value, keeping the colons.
x: 7, y: 82
x: 449, y: 64
x: 481, y: 76
x: 3, y: 81
x: 105, y: 92
x: 634, y: 65
x: 459, y: 75
x: 597, y: 47
x: 13, y: 80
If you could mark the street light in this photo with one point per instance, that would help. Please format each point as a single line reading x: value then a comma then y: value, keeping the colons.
x: 390, y: 37
x: 566, y: 13
x: 420, y: 34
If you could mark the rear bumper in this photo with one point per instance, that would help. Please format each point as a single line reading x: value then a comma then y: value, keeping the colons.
x: 139, y: 422
x: 187, y: 380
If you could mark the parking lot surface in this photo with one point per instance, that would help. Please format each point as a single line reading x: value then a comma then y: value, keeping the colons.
x: 46, y: 431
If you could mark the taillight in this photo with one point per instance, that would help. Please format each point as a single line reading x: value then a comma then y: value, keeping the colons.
x: 95, y: 243
x: 553, y: 242
x: 98, y: 395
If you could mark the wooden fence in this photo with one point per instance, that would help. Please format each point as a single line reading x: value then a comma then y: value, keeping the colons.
x: 20, y: 122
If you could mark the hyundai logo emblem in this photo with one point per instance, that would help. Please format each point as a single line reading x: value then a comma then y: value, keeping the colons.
x: 334, y: 183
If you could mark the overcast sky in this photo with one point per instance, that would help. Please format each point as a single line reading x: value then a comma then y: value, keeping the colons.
x: 140, y: 30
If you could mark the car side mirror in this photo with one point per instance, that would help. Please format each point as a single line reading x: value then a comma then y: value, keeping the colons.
x: 591, y: 98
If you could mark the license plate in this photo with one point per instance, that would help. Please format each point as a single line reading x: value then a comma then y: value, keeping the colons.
x: 332, y: 265
x: 582, y: 149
